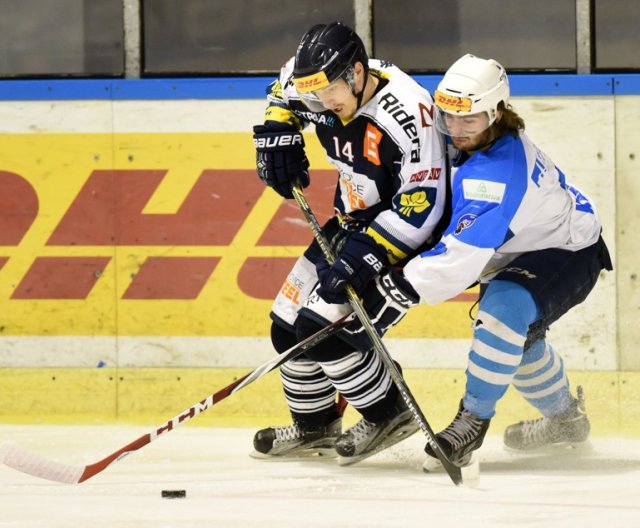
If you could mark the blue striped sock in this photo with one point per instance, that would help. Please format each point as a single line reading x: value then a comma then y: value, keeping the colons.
x: 542, y: 381
x: 506, y: 310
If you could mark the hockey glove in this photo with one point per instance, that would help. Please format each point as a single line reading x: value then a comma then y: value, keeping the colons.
x: 361, y: 259
x: 280, y: 157
x: 387, y: 300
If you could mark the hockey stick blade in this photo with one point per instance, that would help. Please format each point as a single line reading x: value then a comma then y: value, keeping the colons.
x: 37, y: 465
x: 454, y: 472
x: 470, y: 471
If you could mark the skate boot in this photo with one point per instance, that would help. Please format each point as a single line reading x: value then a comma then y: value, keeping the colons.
x: 572, y: 426
x: 464, y: 435
x: 294, y: 441
x: 366, y: 438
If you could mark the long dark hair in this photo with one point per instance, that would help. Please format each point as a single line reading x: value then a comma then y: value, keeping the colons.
x: 510, y: 123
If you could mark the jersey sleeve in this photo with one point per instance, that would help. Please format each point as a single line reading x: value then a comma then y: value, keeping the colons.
x: 483, y: 207
x: 278, y: 109
x: 419, y: 171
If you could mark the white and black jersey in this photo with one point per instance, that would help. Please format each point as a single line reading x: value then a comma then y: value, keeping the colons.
x: 392, y: 184
x: 391, y: 161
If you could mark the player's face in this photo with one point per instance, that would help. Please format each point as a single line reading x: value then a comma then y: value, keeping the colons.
x: 465, y: 126
x: 473, y: 143
x: 338, y: 97
x: 468, y: 132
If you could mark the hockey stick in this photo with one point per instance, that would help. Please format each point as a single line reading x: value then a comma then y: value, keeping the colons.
x: 34, y: 464
x: 455, y: 472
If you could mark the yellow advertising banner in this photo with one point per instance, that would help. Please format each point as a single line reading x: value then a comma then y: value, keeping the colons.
x: 143, y: 234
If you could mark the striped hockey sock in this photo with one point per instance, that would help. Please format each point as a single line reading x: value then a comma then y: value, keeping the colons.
x: 542, y: 381
x: 364, y: 381
x: 506, y: 311
x: 309, y: 393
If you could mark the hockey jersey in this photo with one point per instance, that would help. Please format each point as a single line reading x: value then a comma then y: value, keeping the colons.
x: 390, y: 159
x: 507, y: 201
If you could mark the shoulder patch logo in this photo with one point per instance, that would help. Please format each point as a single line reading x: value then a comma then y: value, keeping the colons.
x: 465, y: 221
x: 483, y: 190
x: 415, y: 205
x: 415, y: 202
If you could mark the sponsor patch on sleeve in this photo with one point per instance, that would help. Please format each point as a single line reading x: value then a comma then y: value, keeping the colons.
x: 415, y: 205
x: 483, y: 190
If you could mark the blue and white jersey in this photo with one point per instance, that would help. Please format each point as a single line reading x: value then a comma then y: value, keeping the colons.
x: 507, y: 201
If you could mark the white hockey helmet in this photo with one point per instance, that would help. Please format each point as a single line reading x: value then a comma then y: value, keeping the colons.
x: 470, y: 90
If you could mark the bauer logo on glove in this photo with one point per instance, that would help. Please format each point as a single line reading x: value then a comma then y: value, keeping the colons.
x: 278, y: 141
x: 280, y: 157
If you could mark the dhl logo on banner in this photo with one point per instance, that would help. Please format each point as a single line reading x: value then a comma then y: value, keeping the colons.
x: 108, y: 212
x: 152, y: 233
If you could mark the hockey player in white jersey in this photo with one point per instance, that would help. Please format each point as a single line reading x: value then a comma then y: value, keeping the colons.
x: 375, y: 125
x: 533, y: 243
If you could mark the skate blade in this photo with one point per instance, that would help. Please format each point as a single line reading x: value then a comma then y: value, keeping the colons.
x: 391, y: 440
x: 470, y: 471
x: 314, y: 454
x: 432, y: 465
x: 559, y: 448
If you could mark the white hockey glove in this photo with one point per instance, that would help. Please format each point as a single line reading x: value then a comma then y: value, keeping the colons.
x: 386, y: 299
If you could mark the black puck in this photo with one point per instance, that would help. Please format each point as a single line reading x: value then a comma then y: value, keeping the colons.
x: 174, y: 494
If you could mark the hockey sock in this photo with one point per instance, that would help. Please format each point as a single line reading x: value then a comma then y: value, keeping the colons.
x: 505, y: 312
x: 365, y: 383
x: 542, y: 381
x: 360, y: 377
x: 309, y: 393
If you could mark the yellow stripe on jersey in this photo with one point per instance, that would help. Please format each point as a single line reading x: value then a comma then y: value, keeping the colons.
x: 276, y: 89
x: 281, y: 115
x: 380, y: 74
x: 394, y: 254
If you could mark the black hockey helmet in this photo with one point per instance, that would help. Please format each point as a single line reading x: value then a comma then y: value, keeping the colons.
x: 324, y: 54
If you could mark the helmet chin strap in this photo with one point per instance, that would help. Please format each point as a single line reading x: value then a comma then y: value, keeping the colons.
x: 359, y: 96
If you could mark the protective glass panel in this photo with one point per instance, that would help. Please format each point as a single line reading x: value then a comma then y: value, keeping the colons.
x: 61, y: 37
x: 230, y: 36
x: 429, y: 35
x: 616, y: 35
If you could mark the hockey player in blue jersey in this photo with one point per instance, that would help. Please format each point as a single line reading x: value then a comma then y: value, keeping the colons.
x: 529, y: 238
x: 375, y: 125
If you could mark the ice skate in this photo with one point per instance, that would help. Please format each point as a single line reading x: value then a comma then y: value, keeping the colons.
x: 460, y: 439
x: 569, y: 427
x: 293, y: 441
x: 366, y: 438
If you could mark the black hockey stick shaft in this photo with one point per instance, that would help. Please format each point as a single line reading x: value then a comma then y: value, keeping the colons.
x: 454, y: 472
x: 39, y: 466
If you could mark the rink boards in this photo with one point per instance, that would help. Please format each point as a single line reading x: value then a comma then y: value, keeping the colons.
x: 144, y: 252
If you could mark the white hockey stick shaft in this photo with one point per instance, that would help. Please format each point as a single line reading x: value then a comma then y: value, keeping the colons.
x: 34, y: 464
x: 453, y: 471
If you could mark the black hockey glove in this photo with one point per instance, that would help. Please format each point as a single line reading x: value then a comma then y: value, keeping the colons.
x: 361, y: 259
x: 387, y: 299
x: 280, y: 157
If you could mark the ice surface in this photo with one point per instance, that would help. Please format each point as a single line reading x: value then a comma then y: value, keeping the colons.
x: 594, y: 486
